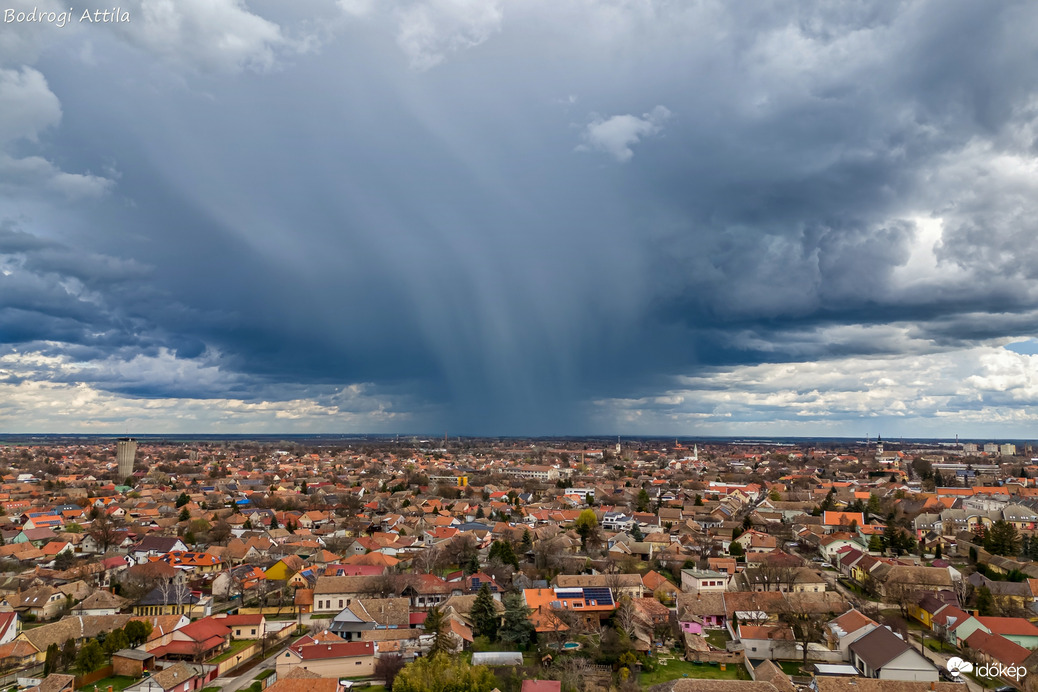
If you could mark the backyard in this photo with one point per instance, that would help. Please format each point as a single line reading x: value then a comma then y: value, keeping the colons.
x: 675, y: 668
x: 789, y: 667
x: 717, y: 638
x: 118, y: 683
x: 236, y: 646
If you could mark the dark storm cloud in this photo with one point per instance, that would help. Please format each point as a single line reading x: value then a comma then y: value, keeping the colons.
x: 496, y: 220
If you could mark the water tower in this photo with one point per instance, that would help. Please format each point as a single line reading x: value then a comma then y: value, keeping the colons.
x: 125, y: 451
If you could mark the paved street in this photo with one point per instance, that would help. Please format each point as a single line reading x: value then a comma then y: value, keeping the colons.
x: 941, y: 660
x: 246, y: 678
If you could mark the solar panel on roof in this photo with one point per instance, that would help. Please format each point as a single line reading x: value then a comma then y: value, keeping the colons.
x: 571, y: 593
x: 602, y: 596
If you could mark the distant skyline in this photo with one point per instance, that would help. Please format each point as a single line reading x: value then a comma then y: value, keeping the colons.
x: 495, y: 217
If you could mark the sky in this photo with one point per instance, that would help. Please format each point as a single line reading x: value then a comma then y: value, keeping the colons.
x: 520, y: 217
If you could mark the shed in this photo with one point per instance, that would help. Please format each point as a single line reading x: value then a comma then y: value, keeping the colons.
x: 132, y: 662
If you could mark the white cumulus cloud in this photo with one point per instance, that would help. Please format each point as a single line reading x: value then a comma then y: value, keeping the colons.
x: 616, y: 135
x: 30, y: 108
x: 211, y: 35
x: 430, y: 31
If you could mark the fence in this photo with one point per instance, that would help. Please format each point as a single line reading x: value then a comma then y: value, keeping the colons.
x: 99, y: 674
x: 715, y: 657
x: 270, y: 611
x: 251, y: 651
x: 33, y: 671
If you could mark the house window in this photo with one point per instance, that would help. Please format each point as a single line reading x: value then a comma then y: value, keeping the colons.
x: 340, y: 602
x: 254, y: 631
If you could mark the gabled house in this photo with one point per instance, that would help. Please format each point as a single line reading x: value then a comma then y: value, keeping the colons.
x: 197, y: 641
x: 843, y: 631
x: 371, y: 614
x: 884, y: 655
x: 333, y: 659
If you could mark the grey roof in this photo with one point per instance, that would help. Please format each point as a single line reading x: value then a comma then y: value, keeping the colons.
x: 879, y: 647
x: 135, y: 654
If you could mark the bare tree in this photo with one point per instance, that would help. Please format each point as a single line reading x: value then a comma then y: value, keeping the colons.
x: 428, y: 560
x: 807, y: 627
x: 175, y: 592
x: 626, y: 617
x: 963, y: 590
x: 900, y: 593
x: 104, y: 531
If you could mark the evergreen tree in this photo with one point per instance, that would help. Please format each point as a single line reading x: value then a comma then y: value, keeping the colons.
x: 636, y: 533
x: 1002, y: 539
x: 875, y: 544
x: 527, y: 544
x: 185, y: 515
x: 829, y: 501
x: 442, y: 672
x: 735, y: 549
x: 937, y: 552
x: 642, y: 503
x: 480, y: 514
x: 517, y: 628
x: 274, y: 523
x: 137, y: 632
x: 985, y: 601
x: 484, y: 614
x: 90, y: 658
x: 472, y: 566
x: 182, y: 500
x: 587, y: 526
x: 437, y: 625
x: 502, y: 550
x: 699, y: 500
x: 116, y: 641
x: 873, y: 507
x: 68, y: 653
x: 52, y: 662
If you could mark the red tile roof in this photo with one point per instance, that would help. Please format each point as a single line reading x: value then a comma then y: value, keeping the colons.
x: 313, y: 652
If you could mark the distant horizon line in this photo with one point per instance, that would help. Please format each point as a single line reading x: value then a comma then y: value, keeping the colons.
x: 427, y: 437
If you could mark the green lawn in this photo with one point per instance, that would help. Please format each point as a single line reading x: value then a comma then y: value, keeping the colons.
x: 118, y: 683
x: 236, y: 646
x: 940, y: 647
x: 717, y: 638
x: 790, y: 667
x: 484, y: 644
x: 672, y: 670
